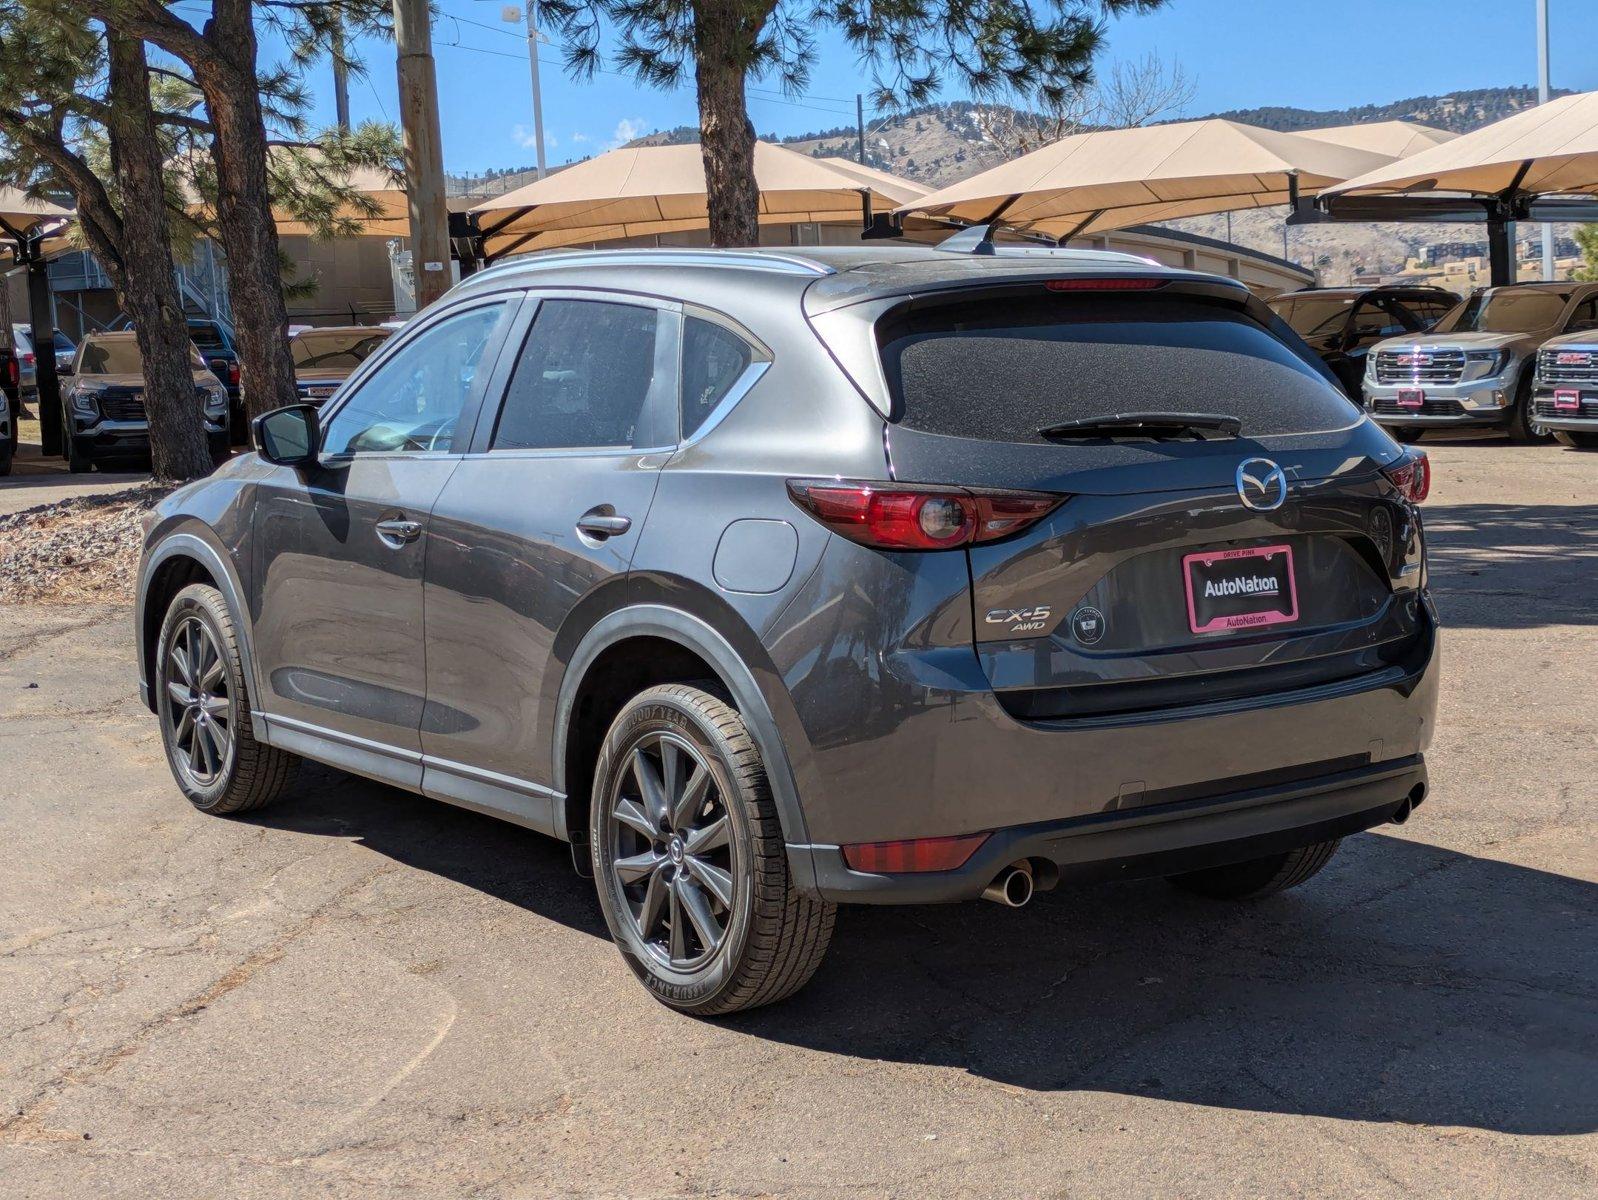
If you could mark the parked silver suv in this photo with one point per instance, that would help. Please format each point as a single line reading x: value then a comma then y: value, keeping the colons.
x: 1565, y: 396
x: 1476, y: 366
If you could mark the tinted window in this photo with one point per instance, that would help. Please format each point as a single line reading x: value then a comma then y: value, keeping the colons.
x: 1002, y: 370
x: 340, y: 349
x: 1373, y: 319
x: 414, y: 400
x: 584, y: 376
x: 119, y: 357
x: 713, y: 359
x: 1317, y: 316
x: 1585, y: 316
x: 207, y: 336
x: 1426, y: 311
x: 1507, y: 310
x: 63, y: 344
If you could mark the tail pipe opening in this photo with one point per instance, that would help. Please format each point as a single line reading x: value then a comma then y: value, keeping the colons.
x: 1409, y: 804
x: 1012, y: 887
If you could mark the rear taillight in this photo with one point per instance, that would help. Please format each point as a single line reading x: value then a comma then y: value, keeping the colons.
x: 914, y: 855
x: 233, y: 372
x: 27, y: 358
x: 891, y: 516
x: 1412, y: 476
x: 13, y: 372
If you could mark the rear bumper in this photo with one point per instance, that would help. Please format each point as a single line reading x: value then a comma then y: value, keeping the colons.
x: 1157, y: 840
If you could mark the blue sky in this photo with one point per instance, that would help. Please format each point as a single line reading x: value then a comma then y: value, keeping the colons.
x: 1240, y: 54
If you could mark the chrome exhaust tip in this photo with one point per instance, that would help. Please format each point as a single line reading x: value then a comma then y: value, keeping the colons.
x: 1012, y: 887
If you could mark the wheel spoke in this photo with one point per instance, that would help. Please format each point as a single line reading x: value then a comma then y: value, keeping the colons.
x: 654, y: 901
x: 212, y: 752
x: 196, y: 755
x: 213, y: 675
x: 178, y: 692
x: 693, y: 901
x: 679, y: 939
x: 686, y: 804
x: 670, y: 774
x: 714, y: 880
x: 185, y: 726
x: 631, y: 870
x: 631, y: 815
x: 179, y: 658
x: 710, y: 837
x: 216, y: 706
x: 650, y: 786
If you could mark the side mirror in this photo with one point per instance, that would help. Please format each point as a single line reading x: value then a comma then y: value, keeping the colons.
x: 289, y: 437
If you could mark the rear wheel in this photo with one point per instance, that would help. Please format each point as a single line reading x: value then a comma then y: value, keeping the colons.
x: 1523, y: 427
x: 1576, y: 439
x: 689, y: 859
x: 205, y: 710
x: 1259, y: 877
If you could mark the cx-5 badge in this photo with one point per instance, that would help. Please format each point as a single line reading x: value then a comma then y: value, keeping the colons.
x: 1261, y: 484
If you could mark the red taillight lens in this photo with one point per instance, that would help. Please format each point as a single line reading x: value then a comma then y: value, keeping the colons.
x: 1412, y: 477
x: 916, y: 854
x: 891, y: 516
x: 13, y: 372
x: 233, y: 372
x: 27, y: 358
x: 1089, y: 284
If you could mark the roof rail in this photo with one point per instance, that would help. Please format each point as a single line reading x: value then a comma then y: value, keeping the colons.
x: 787, y: 264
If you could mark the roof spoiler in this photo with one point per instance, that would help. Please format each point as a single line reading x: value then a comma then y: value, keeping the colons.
x: 978, y: 239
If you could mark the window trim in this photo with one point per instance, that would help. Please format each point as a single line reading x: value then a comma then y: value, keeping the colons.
x: 516, y: 342
x: 760, y: 362
x: 511, y: 300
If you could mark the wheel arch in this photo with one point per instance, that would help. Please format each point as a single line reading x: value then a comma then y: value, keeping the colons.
x: 662, y: 622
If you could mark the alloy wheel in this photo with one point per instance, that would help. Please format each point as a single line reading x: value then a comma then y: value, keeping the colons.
x: 199, y: 709
x: 671, y: 852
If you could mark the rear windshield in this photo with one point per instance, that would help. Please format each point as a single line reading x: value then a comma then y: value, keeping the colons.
x: 207, y: 336
x: 1314, y: 316
x: 1507, y: 310
x: 344, y: 349
x: 1003, y: 369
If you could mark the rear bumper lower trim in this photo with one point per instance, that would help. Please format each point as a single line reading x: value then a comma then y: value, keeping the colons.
x: 1160, y: 840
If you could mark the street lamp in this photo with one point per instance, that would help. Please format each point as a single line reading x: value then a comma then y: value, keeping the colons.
x: 512, y: 14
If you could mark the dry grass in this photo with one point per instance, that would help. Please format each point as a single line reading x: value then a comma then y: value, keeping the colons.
x: 78, y: 551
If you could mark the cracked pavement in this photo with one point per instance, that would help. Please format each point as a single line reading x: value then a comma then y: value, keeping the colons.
x: 362, y: 993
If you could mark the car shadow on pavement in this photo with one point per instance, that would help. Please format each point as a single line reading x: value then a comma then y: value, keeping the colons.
x: 1514, y: 566
x: 1405, y: 984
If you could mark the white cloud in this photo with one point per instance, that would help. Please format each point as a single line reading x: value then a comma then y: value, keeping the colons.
x: 524, y: 137
x: 580, y: 137
x: 627, y: 129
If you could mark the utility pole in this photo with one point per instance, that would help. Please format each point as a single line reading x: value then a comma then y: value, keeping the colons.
x: 341, y: 77
x: 1542, y: 98
x: 538, y: 92
x: 424, y: 153
x: 860, y: 127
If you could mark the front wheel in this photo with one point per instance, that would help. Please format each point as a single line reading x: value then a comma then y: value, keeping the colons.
x: 689, y: 859
x: 1523, y: 427
x: 1576, y: 439
x: 1259, y: 877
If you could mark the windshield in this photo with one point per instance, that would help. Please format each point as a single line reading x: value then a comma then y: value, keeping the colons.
x: 337, y: 349
x: 1315, y: 316
x: 1506, y: 310
x: 119, y: 357
x: 207, y: 335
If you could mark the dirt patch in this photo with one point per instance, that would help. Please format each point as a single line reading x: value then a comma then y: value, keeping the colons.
x: 78, y: 551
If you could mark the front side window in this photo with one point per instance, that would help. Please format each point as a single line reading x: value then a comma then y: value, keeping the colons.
x: 587, y: 377
x: 713, y: 359
x: 413, y: 401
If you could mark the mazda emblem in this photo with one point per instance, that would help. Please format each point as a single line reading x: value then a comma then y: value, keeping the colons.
x: 1261, y: 484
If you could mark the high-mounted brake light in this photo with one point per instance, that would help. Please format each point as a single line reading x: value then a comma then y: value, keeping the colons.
x: 1412, y: 476
x: 1090, y: 284
x: 913, y: 855
x: 891, y: 516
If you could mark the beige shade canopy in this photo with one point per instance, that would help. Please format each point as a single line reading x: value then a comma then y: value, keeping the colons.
x: 638, y: 191
x: 20, y: 212
x: 1398, y: 139
x: 1550, y: 150
x: 1110, y: 179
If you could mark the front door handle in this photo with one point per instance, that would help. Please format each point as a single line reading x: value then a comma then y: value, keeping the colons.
x: 602, y: 523
x: 397, y: 532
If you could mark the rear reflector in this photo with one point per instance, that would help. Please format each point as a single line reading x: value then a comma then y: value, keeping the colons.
x: 1412, y: 477
x: 1104, y: 285
x: 914, y: 855
x: 890, y: 516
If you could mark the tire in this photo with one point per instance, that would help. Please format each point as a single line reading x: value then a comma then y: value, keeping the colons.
x: 78, y: 463
x: 216, y: 760
x: 1257, y: 878
x: 1576, y: 439
x: 1408, y: 434
x: 1522, y: 431
x: 663, y: 898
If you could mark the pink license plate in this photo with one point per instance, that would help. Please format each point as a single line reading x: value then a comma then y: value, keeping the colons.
x: 1411, y: 398
x: 1567, y: 400
x: 1240, y: 589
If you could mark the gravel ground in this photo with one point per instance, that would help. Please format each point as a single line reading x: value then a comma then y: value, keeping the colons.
x: 80, y: 550
x: 360, y: 993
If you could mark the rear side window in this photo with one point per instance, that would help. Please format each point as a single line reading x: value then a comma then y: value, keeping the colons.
x: 713, y: 359
x: 1001, y: 369
x: 1426, y: 311
x: 587, y: 376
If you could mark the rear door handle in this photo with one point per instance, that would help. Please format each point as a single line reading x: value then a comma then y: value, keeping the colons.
x: 397, y: 532
x: 600, y: 524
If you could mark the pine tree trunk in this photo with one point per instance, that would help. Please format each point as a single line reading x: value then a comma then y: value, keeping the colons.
x: 178, y: 446
x: 244, y: 208
x: 723, y: 45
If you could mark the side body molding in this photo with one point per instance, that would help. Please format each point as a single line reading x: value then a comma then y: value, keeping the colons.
x: 672, y: 624
x: 187, y: 544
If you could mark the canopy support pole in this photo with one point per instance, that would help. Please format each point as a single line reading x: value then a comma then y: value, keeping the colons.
x: 1500, y: 250
x: 47, y: 384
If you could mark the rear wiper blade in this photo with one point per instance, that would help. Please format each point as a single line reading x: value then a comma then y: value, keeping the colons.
x: 1160, y: 426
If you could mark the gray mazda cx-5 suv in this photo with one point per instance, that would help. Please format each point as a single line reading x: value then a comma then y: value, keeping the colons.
x: 771, y: 581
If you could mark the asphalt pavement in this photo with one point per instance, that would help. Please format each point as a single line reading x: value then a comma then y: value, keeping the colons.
x: 362, y: 993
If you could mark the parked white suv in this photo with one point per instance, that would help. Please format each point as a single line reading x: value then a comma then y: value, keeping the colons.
x: 1476, y: 366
